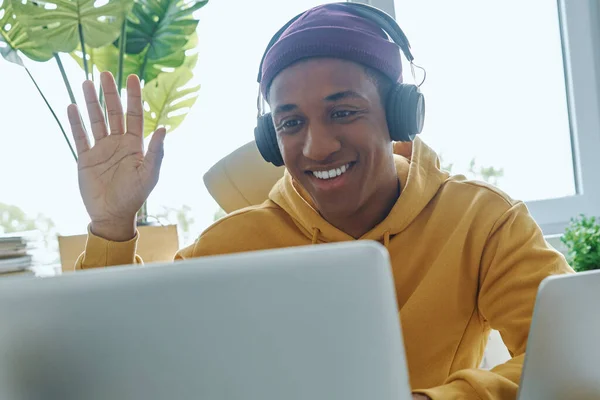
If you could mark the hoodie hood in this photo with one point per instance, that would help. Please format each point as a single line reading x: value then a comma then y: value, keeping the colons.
x: 420, y: 178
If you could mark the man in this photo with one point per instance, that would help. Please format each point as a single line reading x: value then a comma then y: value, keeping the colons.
x: 466, y: 257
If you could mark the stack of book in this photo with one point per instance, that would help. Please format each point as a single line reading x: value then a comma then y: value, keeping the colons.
x: 16, y: 252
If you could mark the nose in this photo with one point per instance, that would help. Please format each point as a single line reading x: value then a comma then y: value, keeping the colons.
x: 320, y: 142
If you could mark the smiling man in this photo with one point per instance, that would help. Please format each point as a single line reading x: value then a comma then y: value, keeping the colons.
x: 329, y: 115
x: 466, y: 257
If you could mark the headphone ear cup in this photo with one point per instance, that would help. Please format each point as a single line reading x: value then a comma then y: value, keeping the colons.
x: 405, y: 112
x: 266, y: 140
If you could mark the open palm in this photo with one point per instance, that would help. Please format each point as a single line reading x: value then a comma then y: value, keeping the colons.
x: 115, y: 176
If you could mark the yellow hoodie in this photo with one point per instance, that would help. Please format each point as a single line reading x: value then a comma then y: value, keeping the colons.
x: 466, y: 258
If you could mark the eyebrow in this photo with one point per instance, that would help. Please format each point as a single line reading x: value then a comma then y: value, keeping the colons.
x: 285, y: 108
x: 346, y: 94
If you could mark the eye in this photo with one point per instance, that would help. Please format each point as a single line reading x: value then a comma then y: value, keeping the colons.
x: 290, y: 124
x: 343, y: 114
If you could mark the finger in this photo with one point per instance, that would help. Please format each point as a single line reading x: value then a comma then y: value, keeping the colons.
x: 114, y: 108
x: 97, y: 121
x: 156, y: 150
x: 135, y: 109
x: 82, y: 143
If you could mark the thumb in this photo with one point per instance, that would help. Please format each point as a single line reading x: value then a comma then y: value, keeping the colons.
x: 156, y: 149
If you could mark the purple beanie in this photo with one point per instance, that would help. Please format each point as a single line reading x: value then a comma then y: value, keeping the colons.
x: 332, y: 30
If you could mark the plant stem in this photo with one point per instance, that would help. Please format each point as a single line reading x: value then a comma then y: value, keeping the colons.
x: 65, y: 79
x: 53, y: 114
x: 92, y: 63
x: 82, y: 44
x: 142, y: 218
x: 122, y: 43
x: 143, y: 68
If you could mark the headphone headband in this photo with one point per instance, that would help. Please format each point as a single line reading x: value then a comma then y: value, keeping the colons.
x: 379, y: 17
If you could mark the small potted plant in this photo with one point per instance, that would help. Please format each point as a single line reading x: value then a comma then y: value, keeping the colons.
x: 582, y: 238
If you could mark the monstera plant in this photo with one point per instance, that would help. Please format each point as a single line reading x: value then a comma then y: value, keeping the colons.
x: 153, y: 39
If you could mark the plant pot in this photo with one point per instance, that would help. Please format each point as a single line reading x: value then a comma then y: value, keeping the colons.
x: 156, y: 243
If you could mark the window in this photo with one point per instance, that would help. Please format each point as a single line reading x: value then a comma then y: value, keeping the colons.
x: 513, y: 86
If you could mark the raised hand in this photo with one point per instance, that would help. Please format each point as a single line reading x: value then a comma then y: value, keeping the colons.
x: 115, y: 176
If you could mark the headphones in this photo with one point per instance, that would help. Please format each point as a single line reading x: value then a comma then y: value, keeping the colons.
x: 404, y: 106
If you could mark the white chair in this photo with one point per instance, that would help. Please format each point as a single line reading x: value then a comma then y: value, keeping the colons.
x: 241, y: 179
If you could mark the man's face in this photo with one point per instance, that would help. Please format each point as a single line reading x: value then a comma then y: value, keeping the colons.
x: 332, y: 133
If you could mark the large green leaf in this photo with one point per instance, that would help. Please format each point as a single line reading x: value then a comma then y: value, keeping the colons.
x: 14, y: 38
x: 56, y: 23
x: 168, y: 100
x: 107, y: 59
x: 161, y: 27
x: 176, y: 59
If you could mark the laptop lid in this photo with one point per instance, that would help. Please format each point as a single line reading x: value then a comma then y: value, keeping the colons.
x: 562, y: 360
x: 298, y: 323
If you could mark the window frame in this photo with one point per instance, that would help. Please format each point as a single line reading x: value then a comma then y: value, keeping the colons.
x: 580, y: 40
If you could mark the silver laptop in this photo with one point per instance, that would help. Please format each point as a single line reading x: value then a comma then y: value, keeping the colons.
x: 314, y: 322
x: 562, y: 360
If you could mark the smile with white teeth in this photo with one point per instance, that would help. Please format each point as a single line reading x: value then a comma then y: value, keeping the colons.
x: 332, y: 173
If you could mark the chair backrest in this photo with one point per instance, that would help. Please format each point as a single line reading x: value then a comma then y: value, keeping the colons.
x: 241, y: 179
